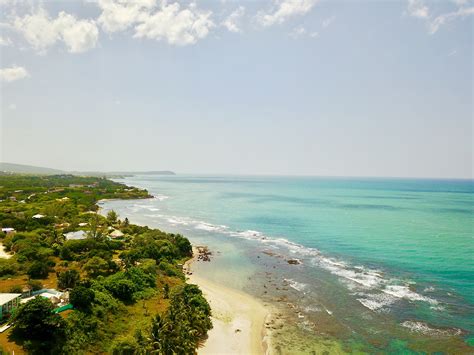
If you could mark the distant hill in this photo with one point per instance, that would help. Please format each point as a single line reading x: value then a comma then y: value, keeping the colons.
x: 28, y: 169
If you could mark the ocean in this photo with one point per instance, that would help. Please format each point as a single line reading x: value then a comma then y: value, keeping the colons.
x: 348, y: 264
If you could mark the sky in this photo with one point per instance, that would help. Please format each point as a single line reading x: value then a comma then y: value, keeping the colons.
x: 279, y: 87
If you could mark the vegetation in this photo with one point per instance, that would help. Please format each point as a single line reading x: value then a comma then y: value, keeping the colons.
x: 128, y: 294
x: 38, y: 325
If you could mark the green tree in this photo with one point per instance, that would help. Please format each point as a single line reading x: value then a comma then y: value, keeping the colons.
x: 68, y: 279
x: 112, y: 217
x: 96, y: 266
x: 126, y: 222
x: 35, y: 320
x: 81, y: 297
x: 38, y: 270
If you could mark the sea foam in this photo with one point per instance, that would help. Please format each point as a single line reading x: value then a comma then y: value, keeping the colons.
x: 371, y: 288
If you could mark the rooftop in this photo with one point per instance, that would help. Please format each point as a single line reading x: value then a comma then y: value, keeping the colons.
x: 7, y: 297
x: 76, y: 235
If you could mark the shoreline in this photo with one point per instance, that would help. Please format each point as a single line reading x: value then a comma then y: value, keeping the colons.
x: 238, y: 319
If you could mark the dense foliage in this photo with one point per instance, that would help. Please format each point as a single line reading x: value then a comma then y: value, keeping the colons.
x: 36, y: 322
x: 128, y: 293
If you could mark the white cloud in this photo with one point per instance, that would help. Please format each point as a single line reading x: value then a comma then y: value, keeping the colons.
x: 166, y: 21
x: 78, y: 35
x: 453, y: 52
x: 232, y: 22
x: 300, y: 31
x: 42, y: 32
x: 327, y: 22
x: 175, y: 25
x: 445, y: 18
x: 13, y: 73
x: 12, y: 107
x: 417, y: 8
x: 119, y: 15
x: 284, y: 10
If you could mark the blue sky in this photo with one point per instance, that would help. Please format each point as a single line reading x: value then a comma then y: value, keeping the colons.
x: 305, y: 87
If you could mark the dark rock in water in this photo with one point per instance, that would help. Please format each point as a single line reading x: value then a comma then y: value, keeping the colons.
x: 203, y: 254
x: 293, y: 261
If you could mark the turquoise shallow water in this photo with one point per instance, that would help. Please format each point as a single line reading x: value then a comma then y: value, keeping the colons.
x: 399, y: 248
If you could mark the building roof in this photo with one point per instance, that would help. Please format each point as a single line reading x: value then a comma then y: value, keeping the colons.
x: 76, y: 235
x: 116, y: 234
x: 6, y: 230
x: 38, y: 216
x: 7, y: 297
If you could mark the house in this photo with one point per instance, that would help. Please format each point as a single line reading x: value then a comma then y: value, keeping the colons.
x: 38, y: 216
x: 8, y: 230
x: 8, y: 302
x: 116, y: 234
x: 75, y: 235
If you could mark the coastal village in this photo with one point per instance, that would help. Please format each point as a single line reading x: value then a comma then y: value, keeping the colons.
x: 69, y: 273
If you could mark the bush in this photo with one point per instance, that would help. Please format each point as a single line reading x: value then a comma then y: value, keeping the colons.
x: 81, y: 297
x: 16, y: 289
x: 68, y: 279
x: 35, y: 285
x: 38, y: 270
x: 8, y: 267
x: 124, y: 346
x: 96, y: 266
x: 169, y: 269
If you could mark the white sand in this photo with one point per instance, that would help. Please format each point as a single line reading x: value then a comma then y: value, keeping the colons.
x: 237, y: 317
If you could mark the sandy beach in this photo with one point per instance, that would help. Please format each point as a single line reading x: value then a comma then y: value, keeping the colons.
x: 238, y: 318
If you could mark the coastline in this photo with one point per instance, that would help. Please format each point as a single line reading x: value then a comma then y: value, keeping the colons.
x: 238, y: 319
x: 299, y: 323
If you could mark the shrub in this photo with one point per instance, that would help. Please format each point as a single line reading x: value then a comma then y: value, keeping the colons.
x: 81, y: 297
x: 124, y: 346
x: 35, y: 285
x: 68, y: 279
x: 16, y: 289
x: 169, y: 269
x: 96, y: 266
x: 8, y: 267
x: 38, y: 270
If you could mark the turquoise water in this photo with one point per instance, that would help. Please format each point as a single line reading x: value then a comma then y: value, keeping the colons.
x: 396, y: 248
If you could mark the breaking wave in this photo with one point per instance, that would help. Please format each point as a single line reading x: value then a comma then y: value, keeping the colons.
x: 372, y: 288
